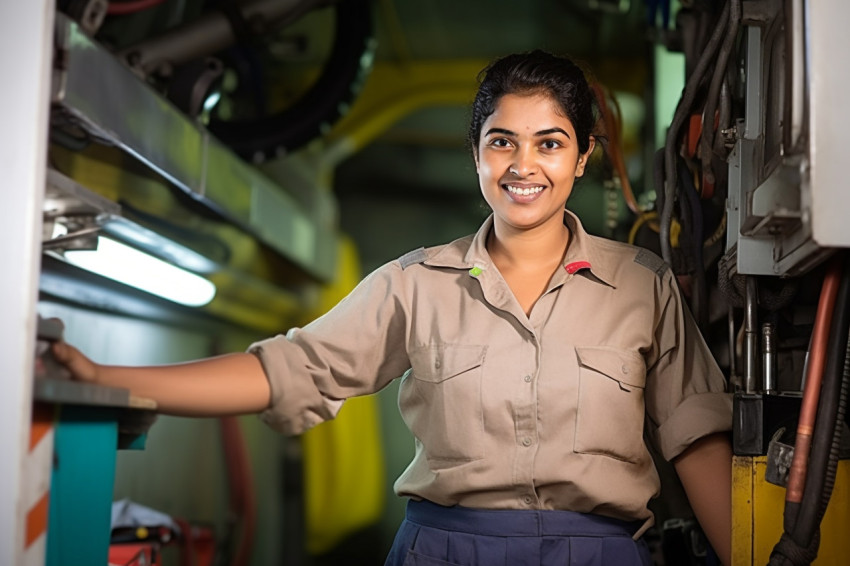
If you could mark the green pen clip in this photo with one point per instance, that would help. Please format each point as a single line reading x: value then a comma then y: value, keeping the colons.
x: 475, y: 271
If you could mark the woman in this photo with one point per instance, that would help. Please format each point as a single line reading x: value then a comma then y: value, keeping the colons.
x: 535, y: 357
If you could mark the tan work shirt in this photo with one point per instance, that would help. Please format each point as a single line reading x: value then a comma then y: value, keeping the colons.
x: 546, y: 411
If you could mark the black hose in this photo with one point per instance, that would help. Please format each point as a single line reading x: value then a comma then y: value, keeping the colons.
x: 699, y: 295
x: 707, y: 139
x: 658, y: 177
x: 723, y: 119
x: 826, y: 425
x: 835, y: 448
x: 798, y: 545
x: 682, y: 110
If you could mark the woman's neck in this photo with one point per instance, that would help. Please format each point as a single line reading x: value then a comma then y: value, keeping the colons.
x: 532, y: 249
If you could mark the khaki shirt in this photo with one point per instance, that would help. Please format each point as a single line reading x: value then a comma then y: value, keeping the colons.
x: 509, y: 411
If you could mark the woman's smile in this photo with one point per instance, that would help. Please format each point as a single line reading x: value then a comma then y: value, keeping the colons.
x: 523, y: 193
x: 527, y: 161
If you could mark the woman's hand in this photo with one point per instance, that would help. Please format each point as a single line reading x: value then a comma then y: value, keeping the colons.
x: 80, y: 366
x: 231, y: 384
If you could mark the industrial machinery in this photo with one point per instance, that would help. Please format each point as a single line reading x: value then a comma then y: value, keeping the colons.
x: 748, y: 208
x: 755, y: 144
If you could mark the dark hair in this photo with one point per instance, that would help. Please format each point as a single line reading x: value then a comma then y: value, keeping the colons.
x: 532, y: 73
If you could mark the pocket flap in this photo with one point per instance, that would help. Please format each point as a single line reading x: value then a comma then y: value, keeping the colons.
x: 438, y: 363
x: 621, y: 365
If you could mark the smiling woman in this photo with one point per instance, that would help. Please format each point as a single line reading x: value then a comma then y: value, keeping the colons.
x: 538, y: 362
x: 527, y: 161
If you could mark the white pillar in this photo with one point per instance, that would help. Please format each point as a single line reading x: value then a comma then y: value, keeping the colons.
x: 26, y: 46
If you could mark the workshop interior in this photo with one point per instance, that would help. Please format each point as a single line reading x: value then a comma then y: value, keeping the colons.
x: 187, y: 177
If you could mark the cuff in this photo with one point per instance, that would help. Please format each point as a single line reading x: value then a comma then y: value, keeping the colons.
x: 697, y: 416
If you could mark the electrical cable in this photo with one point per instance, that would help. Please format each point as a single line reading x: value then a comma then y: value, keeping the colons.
x: 723, y: 117
x: 799, y: 542
x: 124, y: 8
x: 670, y: 182
x: 707, y: 138
x: 699, y: 294
x: 642, y: 219
x: 614, y: 126
x: 658, y: 180
x: 718, y: 233
x: 814, y: 375
x: 822, y: 454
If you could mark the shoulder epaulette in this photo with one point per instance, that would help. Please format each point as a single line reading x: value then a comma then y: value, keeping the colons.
x: 651, y: 261
x: 410, y: 258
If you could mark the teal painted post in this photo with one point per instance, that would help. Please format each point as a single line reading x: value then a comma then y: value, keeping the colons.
x: 81, y: 486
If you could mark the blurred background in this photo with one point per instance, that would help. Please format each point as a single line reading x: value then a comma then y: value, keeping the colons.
x: 282, y: 149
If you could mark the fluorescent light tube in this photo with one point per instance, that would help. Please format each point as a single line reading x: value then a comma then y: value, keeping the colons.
x: 132, y: 267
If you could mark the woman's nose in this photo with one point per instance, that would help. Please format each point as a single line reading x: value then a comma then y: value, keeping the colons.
x: 524, y: 163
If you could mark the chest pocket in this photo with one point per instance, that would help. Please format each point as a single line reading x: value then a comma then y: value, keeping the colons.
x: 611, y: 408
x: 440, y: 400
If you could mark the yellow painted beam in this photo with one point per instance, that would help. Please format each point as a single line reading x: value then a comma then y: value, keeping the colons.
x: 742, y: 511
x: 757, y: 510
x: 394, y: 91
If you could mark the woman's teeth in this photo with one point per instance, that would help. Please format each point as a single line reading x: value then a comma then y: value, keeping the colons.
x: 523, y: 191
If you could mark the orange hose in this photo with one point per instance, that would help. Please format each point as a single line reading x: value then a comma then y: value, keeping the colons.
x: 814, y: 376
x: 241, y: 484
x: 124, y: 8
x: 613, y: 127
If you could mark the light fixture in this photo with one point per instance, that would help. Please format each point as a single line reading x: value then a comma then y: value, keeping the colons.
x: 130, y: 266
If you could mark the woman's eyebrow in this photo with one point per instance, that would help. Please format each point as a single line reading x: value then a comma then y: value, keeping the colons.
x: 553, y: 131
x: 502, y: 131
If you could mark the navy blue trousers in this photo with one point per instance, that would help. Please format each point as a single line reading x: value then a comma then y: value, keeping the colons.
x: 432, y: 535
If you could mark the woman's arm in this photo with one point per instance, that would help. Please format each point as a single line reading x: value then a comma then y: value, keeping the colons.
x: 705, y: 469
x: 225, y: 385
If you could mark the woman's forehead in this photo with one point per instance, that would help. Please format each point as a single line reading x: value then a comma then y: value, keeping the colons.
x: 528, y: 109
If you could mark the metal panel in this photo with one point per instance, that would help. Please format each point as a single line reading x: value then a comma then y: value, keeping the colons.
x: 829, y: 115
x: 26, y: 35
x: 97, y: 90
x: 771, y: 225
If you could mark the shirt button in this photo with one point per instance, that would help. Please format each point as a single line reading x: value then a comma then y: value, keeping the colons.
x: 527, y: 500
x: 438, y: 363
x: 625, y: 368
x: 526, y: 441
x: 527, y: 379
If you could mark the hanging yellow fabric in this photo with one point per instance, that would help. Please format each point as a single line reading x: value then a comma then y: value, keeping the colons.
x: 343, y: 458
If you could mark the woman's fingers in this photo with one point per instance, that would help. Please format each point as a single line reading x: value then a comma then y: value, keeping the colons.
x: 80, y: 366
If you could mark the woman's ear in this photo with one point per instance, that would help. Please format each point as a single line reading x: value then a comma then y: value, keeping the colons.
x: 475, y: 158
x: 584, y: 157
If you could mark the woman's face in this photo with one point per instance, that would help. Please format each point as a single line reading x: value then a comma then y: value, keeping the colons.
x: 527, y: 161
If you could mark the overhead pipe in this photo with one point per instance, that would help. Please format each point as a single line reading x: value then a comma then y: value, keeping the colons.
x: 212, y: 32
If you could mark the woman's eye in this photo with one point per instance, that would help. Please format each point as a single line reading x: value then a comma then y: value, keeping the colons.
x: 500, y: 142
x: 551, y: 144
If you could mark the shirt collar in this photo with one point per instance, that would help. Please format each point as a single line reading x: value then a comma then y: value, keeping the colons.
x: 582, y: 254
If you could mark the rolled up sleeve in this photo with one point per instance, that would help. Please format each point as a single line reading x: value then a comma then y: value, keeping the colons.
x: 357, y: 348
x: 686, y: 396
